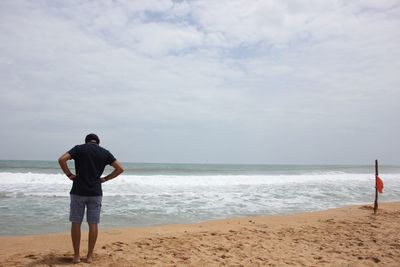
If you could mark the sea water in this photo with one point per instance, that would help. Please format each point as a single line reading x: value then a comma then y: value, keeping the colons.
x: 34, y: 195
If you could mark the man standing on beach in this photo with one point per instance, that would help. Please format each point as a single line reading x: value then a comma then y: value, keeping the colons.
x: 90, y: 160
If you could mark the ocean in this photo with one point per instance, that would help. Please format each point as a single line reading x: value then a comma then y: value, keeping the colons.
x: 34, y: 195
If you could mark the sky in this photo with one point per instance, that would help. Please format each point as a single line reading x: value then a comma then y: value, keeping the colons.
x: 202, y: 81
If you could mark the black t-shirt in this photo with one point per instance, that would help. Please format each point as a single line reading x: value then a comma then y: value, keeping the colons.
x: 90, y: 161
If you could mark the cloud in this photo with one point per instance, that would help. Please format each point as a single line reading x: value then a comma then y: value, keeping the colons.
x: 188, y: 80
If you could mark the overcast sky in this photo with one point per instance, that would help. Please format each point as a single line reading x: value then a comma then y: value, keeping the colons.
x: 227, y: 81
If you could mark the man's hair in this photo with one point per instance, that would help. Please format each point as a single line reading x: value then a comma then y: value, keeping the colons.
x: 92, y: 138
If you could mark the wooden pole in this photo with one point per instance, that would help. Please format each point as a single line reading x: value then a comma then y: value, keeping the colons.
x: 376, y: 187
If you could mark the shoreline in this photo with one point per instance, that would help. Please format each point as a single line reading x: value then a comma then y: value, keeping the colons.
x: 344, y: 236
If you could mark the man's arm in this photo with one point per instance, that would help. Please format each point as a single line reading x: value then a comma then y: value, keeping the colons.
x: 64, y: 166
x: 118, y: 169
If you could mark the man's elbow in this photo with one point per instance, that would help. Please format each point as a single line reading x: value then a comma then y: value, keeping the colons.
x: 118, y: 169
x: 64, y: 158
x: 121, y: 169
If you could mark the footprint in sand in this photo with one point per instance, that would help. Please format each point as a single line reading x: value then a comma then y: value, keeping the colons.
x: 375, y: 259
x: 222, y: 249
x: 31, y: 256
x: 118, y: 246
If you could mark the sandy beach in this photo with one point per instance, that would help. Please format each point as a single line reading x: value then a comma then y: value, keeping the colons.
x: 349, y: 236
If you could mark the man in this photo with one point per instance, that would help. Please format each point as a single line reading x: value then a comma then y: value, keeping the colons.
x: 90, y: 160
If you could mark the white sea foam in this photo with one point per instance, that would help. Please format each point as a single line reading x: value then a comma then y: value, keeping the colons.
x: 32, y: 178
x: 160, y: 180
x: 138, y: 200
x: 58, y: 184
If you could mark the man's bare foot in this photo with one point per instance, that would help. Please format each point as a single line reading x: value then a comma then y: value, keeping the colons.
x: 77, y: 259
x: 89, y: 258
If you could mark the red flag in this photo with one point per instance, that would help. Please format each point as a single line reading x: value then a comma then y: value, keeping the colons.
x: 379, y: 184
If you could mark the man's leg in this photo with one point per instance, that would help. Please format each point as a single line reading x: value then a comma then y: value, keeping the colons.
x: 93, y: 218
x: 76, y: 213
x: 76, y: 240
x: 93, y: 231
